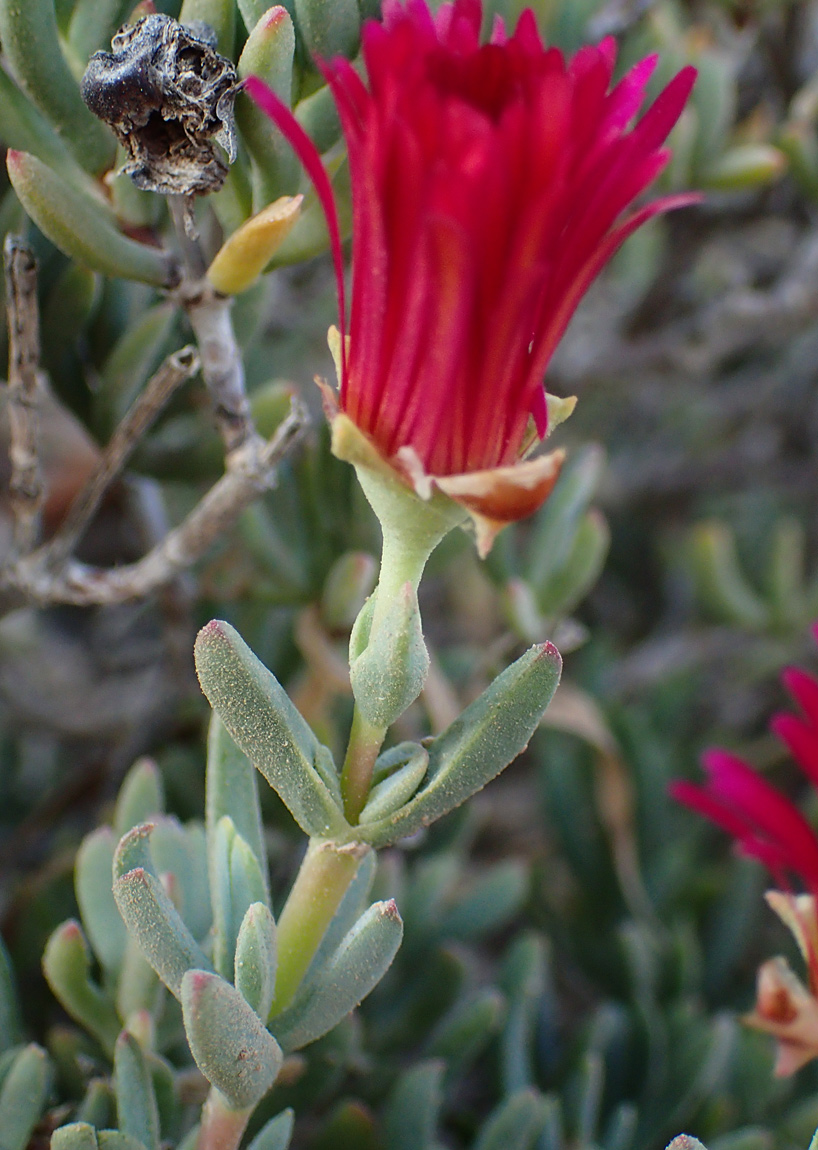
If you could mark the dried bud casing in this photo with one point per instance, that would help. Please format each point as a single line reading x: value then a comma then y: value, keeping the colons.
x: 168, y: 96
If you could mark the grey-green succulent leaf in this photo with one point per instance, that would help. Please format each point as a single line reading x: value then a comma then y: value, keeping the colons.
x: 275, y: 1134
x: 74, y: 1136
x: 329, y: 27
x: 93, y: 23
x: 93, y: 885
x: 67, y: 969
x: 466, y: 1030
x: 395, y: 789
x: 232, y: 1048
x: 318, y: 116
x: 81, y: 226
x: 486, y: 737
x: 136, y: 1107
x: 140, y: 798
x: 559, y: 518
x: 357, y: 966
x: 24, y: 129
x: 413, y: 1107
x: 268, y: 54
x: 117, y: 1140
x: 11, y: 1028
x: 156, y: 924
x: 265, y: 724
x: 23, y: 1096
x: 256, y: 959
x: 219, y: 14
x: 239, y: 885
x: 232, y: 790
x: 514, y: 1124
x: 31, y: 45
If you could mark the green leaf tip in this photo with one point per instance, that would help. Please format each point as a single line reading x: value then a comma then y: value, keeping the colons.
x: 265, y: 724
x: 489, y: 734
x: 232, y: 1048
x: 153, y: 920
x: 357, y: 966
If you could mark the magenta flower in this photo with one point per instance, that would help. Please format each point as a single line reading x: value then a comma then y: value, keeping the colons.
x: 767, y: 826
x: 489, y: 184
x: 764, y: 823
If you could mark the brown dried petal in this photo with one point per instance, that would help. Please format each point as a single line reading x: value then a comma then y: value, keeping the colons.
x: 168, y: 96
x: 786, y: 1009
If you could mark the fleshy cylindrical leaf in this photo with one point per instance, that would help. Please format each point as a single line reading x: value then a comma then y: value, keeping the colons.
x: 514, y: 1124
x: 464, y: 1033
x: 269, y: 54
x: 232, y: 790
x: 136, y: 1106
x: 25, y: 129
x: 32, y: 47
x: 318, y: 116
x: 81, y: 227
x: 350, y: 581
x: 93, y: 23
x: 74, y: 1136
x: 487, y: 736
x: 219, y: 14
x: 67, y: 969
x: 11, y: 1029
x: 256, y: 959
x: 388, y: 796
x: 232, y: 1048
x: 355, y: 969
x: 152, y: 918
x: 276, y: 1134
x: 264, y: 723
x: 94, y: 889
x: 140, y: 797
x: 23, y: 1096
x: 413, y: 1107
x: 329, y: 27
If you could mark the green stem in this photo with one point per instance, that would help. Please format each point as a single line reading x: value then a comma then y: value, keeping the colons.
x: 222, y: 1127
x: 365, y: 742
x: 321, y: 883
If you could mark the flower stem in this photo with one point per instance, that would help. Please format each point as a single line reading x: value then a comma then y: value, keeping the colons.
x: 321, y: 883
x: 365, y: 742
x: 222, y: 1127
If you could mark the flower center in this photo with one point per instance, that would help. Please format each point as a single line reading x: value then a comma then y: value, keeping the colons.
x: 485, y: 79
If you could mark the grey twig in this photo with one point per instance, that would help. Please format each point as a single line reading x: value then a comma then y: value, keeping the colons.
x: 250, y: 471
x: 176, y: 369
x: 24, y: 361
x: 222, y: 365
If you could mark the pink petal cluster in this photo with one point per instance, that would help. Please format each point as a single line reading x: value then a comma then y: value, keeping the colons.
x: 489, y: 183
x: 767, y: 826
x: 764, y: 823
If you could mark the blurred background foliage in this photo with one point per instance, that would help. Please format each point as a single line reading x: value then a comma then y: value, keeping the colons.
x: 578, y: 952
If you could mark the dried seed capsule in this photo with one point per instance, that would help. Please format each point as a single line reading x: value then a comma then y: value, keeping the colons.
x: 168, y: 96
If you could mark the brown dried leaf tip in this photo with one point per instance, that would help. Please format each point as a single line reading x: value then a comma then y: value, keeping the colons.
x: 168, y: 96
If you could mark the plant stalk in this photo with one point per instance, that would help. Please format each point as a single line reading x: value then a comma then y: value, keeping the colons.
x: 321, y: 883
x: 222, y: 1127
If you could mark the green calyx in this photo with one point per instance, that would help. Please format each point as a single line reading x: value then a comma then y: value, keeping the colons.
x: 388, y: 657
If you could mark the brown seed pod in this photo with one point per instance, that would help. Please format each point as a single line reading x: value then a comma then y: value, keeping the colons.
x: 168, y: 96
